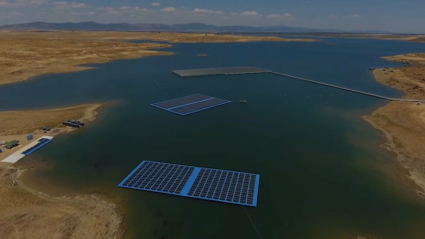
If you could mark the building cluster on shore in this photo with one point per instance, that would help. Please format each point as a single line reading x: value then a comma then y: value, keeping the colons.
x: 41, y: 142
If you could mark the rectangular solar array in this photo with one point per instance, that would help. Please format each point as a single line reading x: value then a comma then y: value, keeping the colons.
x: 195, y: 182
x: 220, y: 71
x: 41, y: 142
x: 190, y: 104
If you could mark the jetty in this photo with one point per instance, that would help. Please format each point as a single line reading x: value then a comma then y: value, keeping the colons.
x: 28, y: 149
x: 345, y: 88
x: 256, y: 70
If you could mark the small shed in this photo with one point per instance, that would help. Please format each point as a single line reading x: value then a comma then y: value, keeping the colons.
x: 11, y: 144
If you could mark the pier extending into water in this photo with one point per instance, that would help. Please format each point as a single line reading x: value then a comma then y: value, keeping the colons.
x: 28, y: 149
x: 345, y: 88
x: 255, y: 70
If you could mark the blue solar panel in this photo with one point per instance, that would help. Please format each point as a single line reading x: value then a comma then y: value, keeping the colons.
x: 195, y: 182
x: 190, y: 104
x: 41, y: 143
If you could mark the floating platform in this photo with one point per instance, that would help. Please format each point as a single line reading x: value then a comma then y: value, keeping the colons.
x: 220, y: 71
x: 73, y: 123
x: 190, y: 104
x: 255, y: 70
x: 195, y: 182
x: 28, y: 149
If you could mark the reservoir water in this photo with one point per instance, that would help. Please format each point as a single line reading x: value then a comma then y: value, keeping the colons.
x: 323, y: 174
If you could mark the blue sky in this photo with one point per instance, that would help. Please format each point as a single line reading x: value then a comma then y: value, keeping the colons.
x: 405, y: 16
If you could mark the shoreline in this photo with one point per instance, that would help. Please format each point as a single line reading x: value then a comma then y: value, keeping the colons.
x: 31, y: 213
x: 80, y: 67
x: 414, y: 38
x: 16, y: 125
x: 28, y: 212
x: 402, y: 124
x: 390, y: 146
x: 27, y: 54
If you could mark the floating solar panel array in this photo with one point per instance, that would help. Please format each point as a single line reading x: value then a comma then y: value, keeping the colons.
x: 220, y: 71
x: 190, y: 104
x: 41, y: 142
x: 195, y: 182
x: 28, y: 149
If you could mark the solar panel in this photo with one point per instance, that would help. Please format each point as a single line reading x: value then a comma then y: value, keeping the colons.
x: 195, y: 182
x: 220, y: 71
x: 190, y: 104
x: 182, y: 101
x: 41, y: 142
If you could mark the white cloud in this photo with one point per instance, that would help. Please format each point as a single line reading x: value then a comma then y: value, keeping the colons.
x: 68, y: 5
x: 250, y: 13
x: 168, y: 9
x: 133, y: 9
x: 22, y: 3
x: 200, y: 10
x: 84, y: 13
x: 279, y: 16
x: 273, y: 16
x: 109, y: 10
x: 156, y: 4
x: 356, y: 16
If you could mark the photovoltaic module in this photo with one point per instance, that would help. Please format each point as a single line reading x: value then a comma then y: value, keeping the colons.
x: 190, y: 104
x: 41, y: 142
x: 195, y: 182
x: 220, y: 71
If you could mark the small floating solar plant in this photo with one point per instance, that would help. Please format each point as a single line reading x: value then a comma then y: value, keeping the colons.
x: 190, y: 104
x: 194, y: 182
x: 41, y: 142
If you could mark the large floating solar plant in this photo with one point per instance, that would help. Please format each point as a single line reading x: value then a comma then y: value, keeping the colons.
x: 194, y: 182
x: 220, y: 71
x: 190, y: 104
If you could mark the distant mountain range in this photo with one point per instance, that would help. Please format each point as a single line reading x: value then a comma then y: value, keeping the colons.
x: 188, y: 27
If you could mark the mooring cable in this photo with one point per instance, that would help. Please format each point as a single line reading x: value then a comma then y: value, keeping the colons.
x: 252, y: 222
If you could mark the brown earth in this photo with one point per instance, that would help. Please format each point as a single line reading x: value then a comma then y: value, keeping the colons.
x: 150, y: 36
x: 30, y: 121
x: 409, y: 38
x: 25, y: 54
x: 16, y: 125
x: 26, y: 213
x: 403, y: 124
x: 399, y: 37
x: 29, y: 214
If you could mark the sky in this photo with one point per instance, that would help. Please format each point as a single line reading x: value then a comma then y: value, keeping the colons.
x: 403, y: 16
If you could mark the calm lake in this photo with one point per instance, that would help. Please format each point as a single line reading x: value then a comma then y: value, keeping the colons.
x: 323, y: 174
